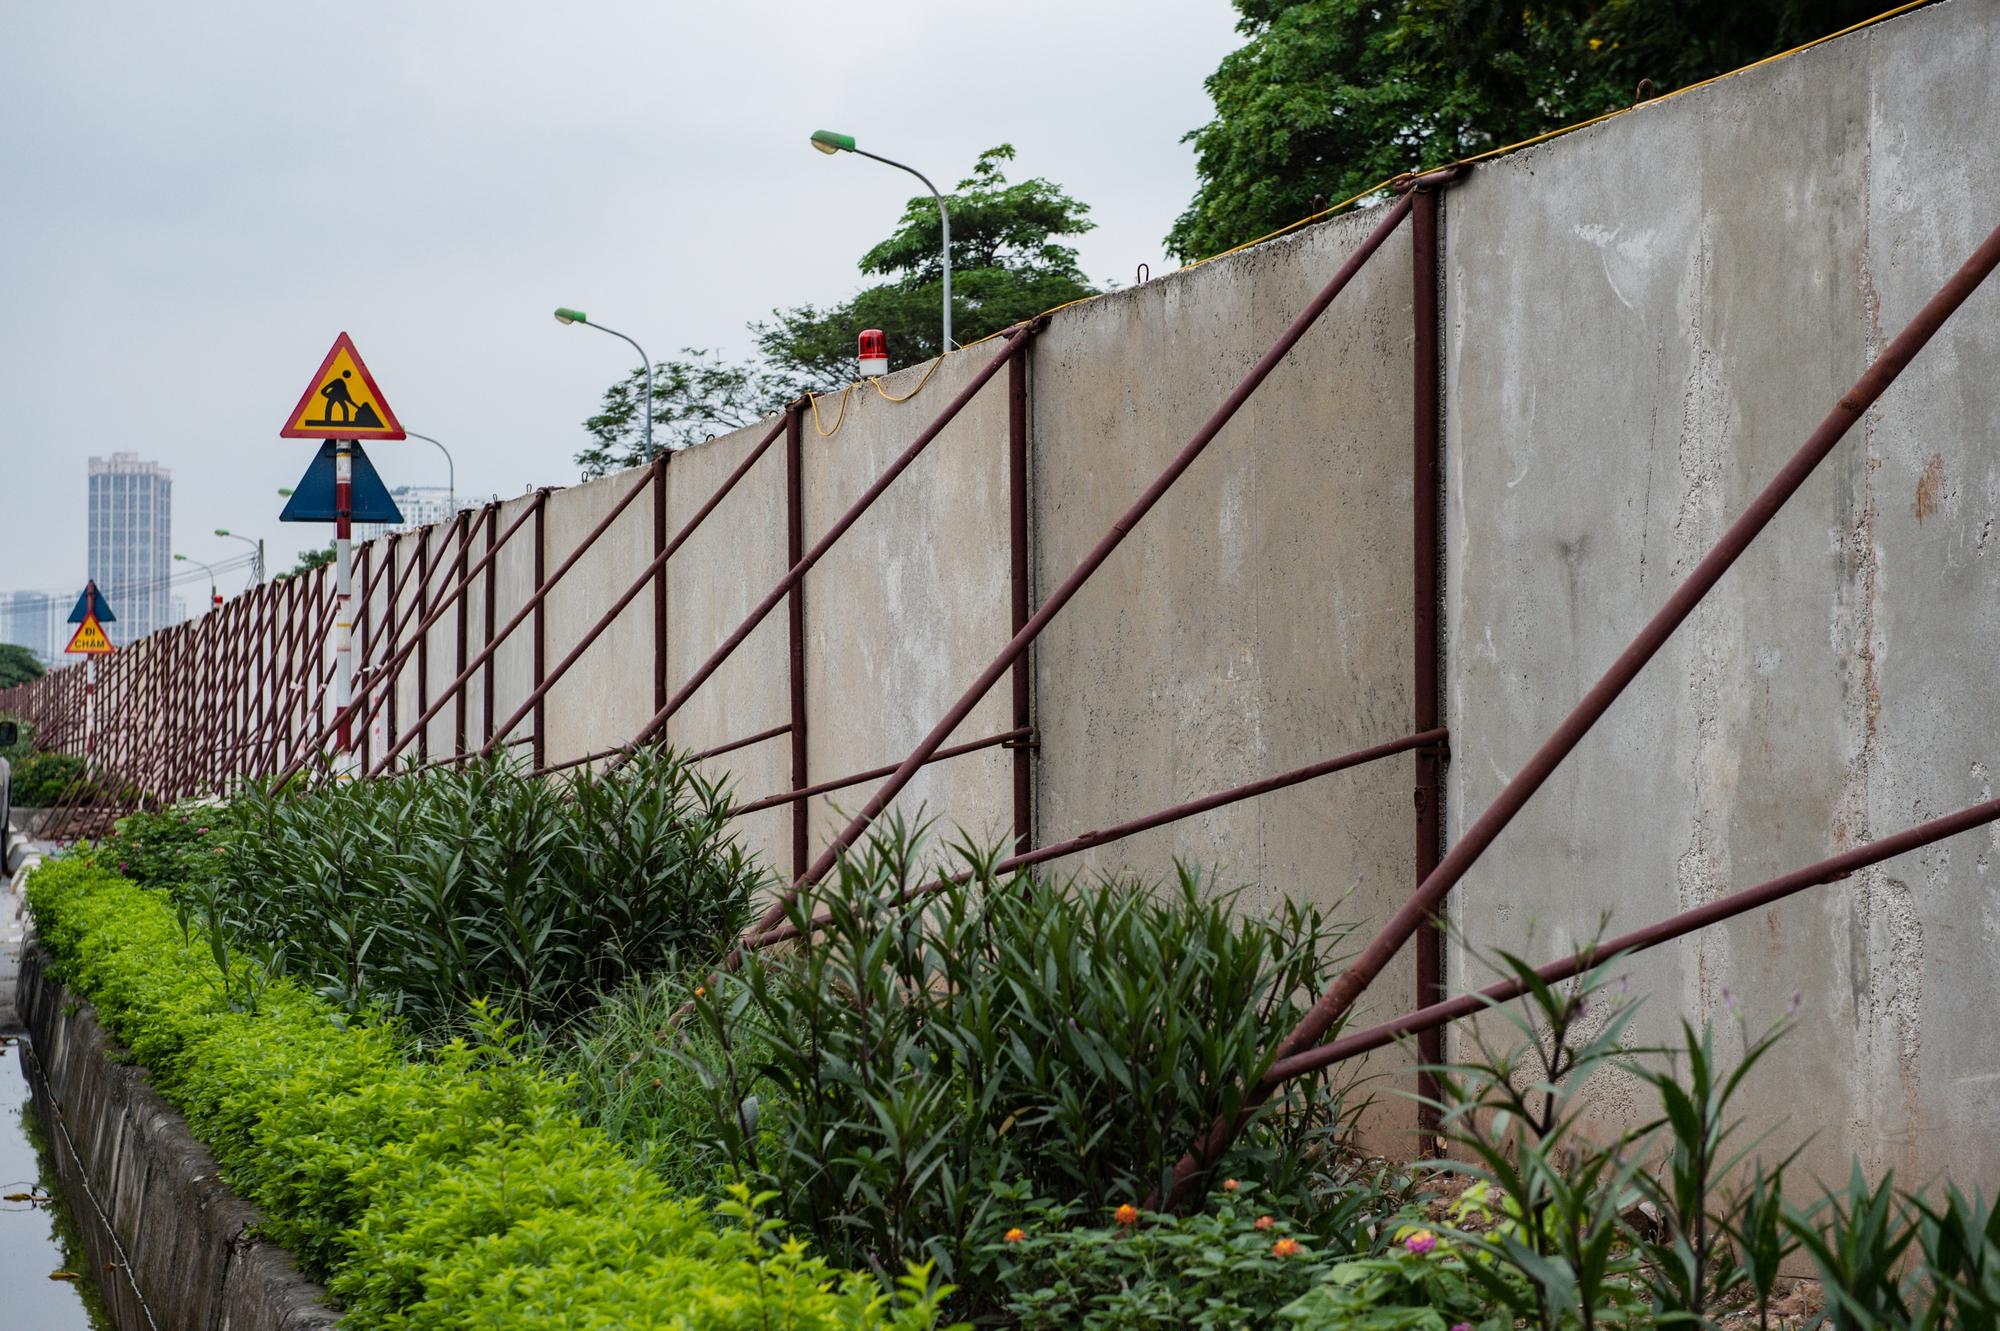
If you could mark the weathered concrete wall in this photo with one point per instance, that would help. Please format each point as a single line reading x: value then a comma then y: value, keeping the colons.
x: 186, y: 1236
x: 1644, y: 320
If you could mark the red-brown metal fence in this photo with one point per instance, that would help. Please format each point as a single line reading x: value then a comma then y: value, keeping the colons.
x: 241, y: 693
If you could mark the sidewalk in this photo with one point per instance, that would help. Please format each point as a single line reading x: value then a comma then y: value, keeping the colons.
x: 21, y: 857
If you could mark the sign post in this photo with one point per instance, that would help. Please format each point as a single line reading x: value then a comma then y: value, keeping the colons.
x: 344, y: 405
x: 90, y: 641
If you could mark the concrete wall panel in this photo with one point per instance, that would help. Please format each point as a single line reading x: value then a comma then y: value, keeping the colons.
x: 1645, y: 320
x: 719, y: 574
x: 913, y: 601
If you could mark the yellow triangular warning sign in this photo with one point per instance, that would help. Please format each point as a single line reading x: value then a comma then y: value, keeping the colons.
x: 90, y: 639
x: 342, y: 401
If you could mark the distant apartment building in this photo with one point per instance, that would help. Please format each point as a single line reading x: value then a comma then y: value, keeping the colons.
x: 420, y: 505
x: 131, y: 542
x: 35, y: 620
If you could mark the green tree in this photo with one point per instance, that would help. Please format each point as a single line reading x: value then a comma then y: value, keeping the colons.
x: 17, y: 665
x: 1327, y: 98
x: 1008, y: 263
x: 310, y: 560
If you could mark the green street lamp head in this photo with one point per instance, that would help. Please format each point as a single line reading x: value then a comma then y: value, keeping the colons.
x: 565, y: 315
x: 284, y: 492
x: 222, y: 531
x: 830, y: 143
x: 182, y: 558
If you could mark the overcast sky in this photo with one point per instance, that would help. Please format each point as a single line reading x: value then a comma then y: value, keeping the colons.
x: 195, y: 198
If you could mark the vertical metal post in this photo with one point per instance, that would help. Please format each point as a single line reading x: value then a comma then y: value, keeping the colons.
x: 795, y: 609
x: 1426, y: 590
x: 343, y: 611
x: 458, y: 732
x: 364, y: 628
x: 541, y: 749
x: 660, y: 582
x: 1017, y: 546
x: 492, y: 573
x: 89, y: 716
x: 388, y: 686
x: 423, y: 642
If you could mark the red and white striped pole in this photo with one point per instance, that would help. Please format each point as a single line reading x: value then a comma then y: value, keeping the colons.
x: 343, y: 614
x: 89, y: 716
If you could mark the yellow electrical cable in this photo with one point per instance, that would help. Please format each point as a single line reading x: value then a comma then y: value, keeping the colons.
x: 819, y: 425
x: 1544, y: 137
x: 887, y: 396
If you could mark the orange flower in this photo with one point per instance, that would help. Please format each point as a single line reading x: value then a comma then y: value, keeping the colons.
x: 1285, y: 1248
x: 1127, y: 1214
x: 700, y: 991
x: 1265, y: 1222
x: 1014, y: 1235
x: 1230, y: 1185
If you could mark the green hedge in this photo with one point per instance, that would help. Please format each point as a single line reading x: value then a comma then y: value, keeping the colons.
x: 455, y: 1191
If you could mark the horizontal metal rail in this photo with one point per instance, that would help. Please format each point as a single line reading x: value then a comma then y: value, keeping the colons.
x: 877, y: 773
x: 1132, y: 827
x: 625, y: 750
x: 1829, y: 870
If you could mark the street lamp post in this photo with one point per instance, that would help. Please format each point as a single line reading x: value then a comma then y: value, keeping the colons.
x: 257, y: 545
x: 214, y: 596
x: 830, y: 143
x: 565, y: 315
x: 450, y: 469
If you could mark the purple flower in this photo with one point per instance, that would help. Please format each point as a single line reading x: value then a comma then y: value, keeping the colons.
x: 1461, y: 1326
x: 1798, y: 997
x: 1421, y: 1242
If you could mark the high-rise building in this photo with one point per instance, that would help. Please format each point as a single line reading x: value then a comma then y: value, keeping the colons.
x: 35, y: 620
x: 420, y: 505
x: 131, y: 541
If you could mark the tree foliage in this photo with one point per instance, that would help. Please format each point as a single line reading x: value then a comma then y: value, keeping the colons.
x: 17, y: 665
x: 1008, y: 263
x: 1330, y: 97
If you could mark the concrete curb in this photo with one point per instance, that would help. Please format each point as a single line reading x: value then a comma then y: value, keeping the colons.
x: 187, y: 1236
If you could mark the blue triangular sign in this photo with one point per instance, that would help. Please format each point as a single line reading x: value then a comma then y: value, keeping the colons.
x: 312, y: 498
x: 92, y: 602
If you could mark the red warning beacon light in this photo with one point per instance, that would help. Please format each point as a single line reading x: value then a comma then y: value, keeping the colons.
x: 874, y: 353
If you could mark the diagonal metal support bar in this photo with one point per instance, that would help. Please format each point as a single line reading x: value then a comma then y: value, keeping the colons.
x: 1422, y: 904
x: 1830, y: 870
x: 1017, y: 340
x: 1091, y: 562
x: 549, y: 679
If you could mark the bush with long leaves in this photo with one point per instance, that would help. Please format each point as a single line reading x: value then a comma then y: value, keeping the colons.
x: 419, y: 894
x: 1068, y: 1036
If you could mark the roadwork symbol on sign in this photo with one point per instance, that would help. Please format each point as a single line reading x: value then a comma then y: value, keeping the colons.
x: 90, y: 638
x: 342, y: 401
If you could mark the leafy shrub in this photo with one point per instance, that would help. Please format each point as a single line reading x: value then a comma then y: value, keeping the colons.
x: 1072, y: 1036
x: 1235, y: 1265
x: 421, y: 893
x: 171, y: 849
x: 455, y: 1192
x: 40, y: 779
